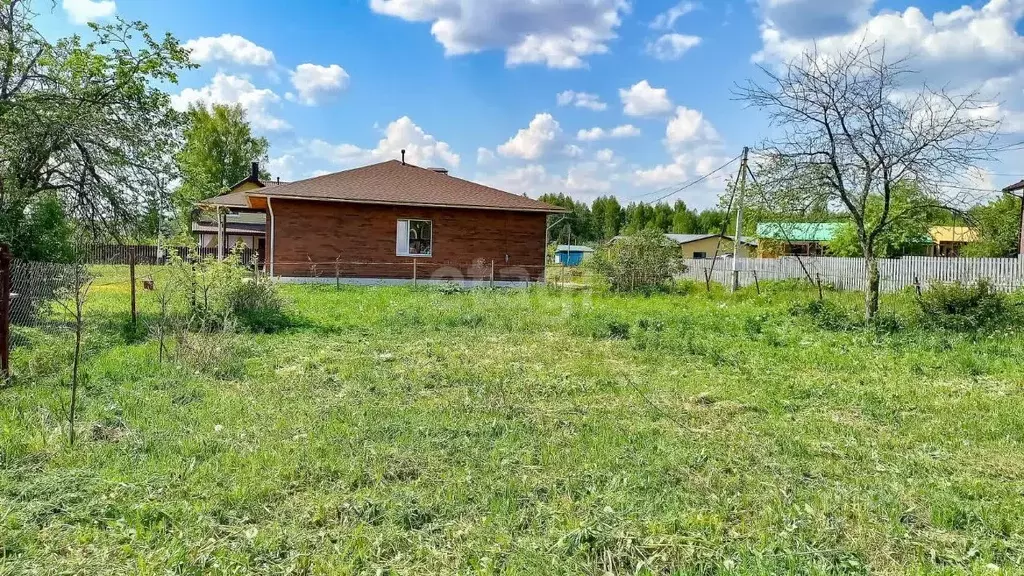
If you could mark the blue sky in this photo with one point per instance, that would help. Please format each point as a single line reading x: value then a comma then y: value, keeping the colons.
x: 586, y: 97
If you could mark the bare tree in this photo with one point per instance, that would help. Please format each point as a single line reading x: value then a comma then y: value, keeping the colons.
x: 852, y: 128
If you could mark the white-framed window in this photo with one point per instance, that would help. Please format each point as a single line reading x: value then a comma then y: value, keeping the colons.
x: 414, y: 238
x: 700, y: 255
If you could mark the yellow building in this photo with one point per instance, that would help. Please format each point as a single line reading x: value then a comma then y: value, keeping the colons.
x: 700, y: 246
x: 948, y: 240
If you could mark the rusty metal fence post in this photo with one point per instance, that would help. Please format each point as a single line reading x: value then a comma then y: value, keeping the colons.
x: 5, y: 310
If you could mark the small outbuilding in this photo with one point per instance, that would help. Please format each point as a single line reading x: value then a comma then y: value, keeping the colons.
x: 572, y: 255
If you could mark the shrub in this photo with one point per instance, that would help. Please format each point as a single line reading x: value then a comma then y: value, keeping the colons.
x: 645, y: 262
x: 257, y: 305
x: 963, y: 307
x: 211, y: 294
x: 826, y: 314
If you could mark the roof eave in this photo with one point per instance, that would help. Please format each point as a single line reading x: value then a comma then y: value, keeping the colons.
x: 1014, y: 187
x: 542, y: 210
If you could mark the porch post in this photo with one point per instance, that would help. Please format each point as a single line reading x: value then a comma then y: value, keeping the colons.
x: 220, y: 234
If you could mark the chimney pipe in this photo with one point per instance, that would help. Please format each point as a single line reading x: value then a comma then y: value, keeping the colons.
x: 254, y: 173
x: 403, y: 156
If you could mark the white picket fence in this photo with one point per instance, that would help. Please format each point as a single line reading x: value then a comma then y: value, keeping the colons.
x: 1006, y: 274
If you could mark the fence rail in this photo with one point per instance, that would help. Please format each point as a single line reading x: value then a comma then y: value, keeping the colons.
x: 1006, y: 274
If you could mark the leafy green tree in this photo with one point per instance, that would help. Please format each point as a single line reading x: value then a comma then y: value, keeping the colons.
x: 999, y: 225
x: 710, y: 222
x: 683, y: 220
x: 218, y: 152
x: 639, y: 216
x: 84, y: 126
x: 663, y: 216
x: 608, y: 216
x: 46, y: 234
x: 577, y: 226
x: 906, y: 232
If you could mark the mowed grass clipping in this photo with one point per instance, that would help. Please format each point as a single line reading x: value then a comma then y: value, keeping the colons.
x: 416, y: 431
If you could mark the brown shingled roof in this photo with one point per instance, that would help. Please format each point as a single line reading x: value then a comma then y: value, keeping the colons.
x: 1014, y: 187
x: 404, y: 184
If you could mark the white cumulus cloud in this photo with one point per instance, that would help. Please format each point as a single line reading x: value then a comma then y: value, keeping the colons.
x: 965, y: 42
x: 484, y: 156
x: 581, y: 100
x: 964, y: 49
x: 557, y: 33
x: 229, y: 48
x: 315, y: 84
x: 597, y: 133
x: 672, y: 46
x: 533, y: 142
x: 85, y: 11
x: 227, y: 89
x: 689, y: 126
x: 421, y: 149
x: 642, y: 99
x: 667, y: 19
x: 815, y: 18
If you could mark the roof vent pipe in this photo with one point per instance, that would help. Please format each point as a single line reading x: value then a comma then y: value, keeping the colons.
x: 254, y: 172
x: 403, y: 156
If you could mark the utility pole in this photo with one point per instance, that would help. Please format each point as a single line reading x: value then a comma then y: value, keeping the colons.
x: 547, y: 241
x: 737, y: 238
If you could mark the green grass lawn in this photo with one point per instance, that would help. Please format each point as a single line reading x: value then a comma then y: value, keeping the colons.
x: 412, y: 431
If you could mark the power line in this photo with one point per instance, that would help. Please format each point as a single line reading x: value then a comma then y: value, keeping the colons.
x: 697, y: 181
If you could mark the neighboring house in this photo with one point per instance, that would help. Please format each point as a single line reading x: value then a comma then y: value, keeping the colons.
x: 572, y: 255
x: 700, y: 246
x: 240, y: 223
x: 390, y: 221
x: 812, y: 238
x: 796, y: 238
x: 948, y: 240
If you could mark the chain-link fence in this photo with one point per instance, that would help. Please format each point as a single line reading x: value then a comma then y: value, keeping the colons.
x: 36, y: 288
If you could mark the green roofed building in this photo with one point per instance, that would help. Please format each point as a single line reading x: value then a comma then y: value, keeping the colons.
x: 799, y: 238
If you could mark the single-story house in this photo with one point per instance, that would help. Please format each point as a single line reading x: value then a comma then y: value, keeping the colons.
x: 700, y: 246
x: 572, y: 255
x: 393, y: 222
x: 812, y: 238
x: 240, y: 223
x: 948, y: 240
x: 796, y: 238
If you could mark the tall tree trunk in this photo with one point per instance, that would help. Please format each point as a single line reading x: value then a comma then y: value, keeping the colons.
x: 871, y: 294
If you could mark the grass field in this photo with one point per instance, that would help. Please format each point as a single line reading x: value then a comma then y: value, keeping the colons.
x: 404, y: 431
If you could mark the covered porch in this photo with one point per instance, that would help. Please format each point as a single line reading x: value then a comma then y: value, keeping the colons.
x: 219, y: 224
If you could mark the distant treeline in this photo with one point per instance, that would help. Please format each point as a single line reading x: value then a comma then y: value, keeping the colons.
x: 607, y: 218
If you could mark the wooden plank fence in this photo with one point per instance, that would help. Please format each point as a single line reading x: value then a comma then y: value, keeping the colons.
x: 1006, y: 274
x: 148, y: 254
